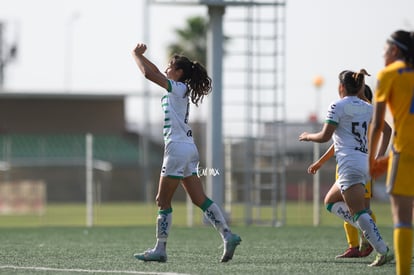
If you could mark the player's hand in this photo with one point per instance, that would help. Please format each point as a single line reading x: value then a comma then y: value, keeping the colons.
x: 140, y: 49
x: 378, y: 167
x: 304, y: 136
x: 313, y: 168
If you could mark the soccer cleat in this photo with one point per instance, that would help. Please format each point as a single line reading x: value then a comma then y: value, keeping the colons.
x: 151, y: 255
x: 383, y: 259
x: 229, y: 247
x: 365, y: 249
x: 351, y: 252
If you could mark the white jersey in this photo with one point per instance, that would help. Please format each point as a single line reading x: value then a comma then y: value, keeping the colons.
x: 176, y: 106
x: 352, y: 117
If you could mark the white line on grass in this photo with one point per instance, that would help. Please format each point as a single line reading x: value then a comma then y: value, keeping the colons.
x: 39, y: 268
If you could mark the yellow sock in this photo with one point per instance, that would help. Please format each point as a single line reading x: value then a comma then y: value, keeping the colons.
x: 403, y: 241
x: 351, y: 235
x: 374, y: 218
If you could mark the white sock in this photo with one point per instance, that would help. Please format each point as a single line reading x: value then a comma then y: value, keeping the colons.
x: 371, y: 232
x: 164, y: 220
x: 341, y: 210
x: 216, y: 218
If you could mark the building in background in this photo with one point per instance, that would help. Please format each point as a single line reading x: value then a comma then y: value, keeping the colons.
x: 42, y: 137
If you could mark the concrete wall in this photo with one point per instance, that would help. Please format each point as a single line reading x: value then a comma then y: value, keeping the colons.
x: 61, y: 114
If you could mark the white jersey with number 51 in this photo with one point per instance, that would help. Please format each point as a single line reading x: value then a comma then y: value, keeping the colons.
x: 352, y: 116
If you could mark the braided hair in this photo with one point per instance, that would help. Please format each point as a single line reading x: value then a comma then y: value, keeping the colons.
x: 194, y: 76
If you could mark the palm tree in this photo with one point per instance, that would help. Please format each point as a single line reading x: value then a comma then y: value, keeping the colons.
x: 192, y: 40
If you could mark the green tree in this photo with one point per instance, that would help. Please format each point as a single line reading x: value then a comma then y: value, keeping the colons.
x: 192, y: 40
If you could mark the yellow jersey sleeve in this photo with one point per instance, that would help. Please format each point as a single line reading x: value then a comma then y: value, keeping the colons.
x: 396, y: 88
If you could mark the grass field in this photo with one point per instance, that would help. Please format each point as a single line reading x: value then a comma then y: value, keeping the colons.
x: 139, y: 214
x: 58, y: 243
x: 103, y: 250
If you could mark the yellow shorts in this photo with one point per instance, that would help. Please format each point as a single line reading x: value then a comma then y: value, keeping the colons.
x: 399, y: 176
x: 368, y: 185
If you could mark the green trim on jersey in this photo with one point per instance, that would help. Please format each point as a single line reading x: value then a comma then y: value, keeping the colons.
x: 169, y: 89
x: 331, y: 122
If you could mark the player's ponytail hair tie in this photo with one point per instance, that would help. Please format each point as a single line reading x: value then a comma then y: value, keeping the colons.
x: 353, y: 81
x: 364, y: 72
x: 359, y: 79
x: 361, y: 73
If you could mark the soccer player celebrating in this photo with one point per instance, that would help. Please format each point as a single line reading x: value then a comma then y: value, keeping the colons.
x: 395, y: 88
x: 184, y: 80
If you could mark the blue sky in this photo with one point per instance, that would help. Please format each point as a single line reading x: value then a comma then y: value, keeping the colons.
x: 85, y: 45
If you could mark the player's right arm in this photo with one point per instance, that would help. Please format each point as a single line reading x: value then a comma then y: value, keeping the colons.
x: 377, y: 125
x: 385, y: 139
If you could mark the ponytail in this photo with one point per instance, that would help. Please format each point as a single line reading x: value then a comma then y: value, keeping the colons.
x: 353, y: 81
x: 199, y: 83
x: 195, y: 76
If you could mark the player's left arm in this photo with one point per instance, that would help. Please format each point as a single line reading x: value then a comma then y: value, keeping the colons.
x: 314, y: 167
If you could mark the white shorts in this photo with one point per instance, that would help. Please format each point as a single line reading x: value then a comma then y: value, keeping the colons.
x: 180, y: 160
x: 351, y: 175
